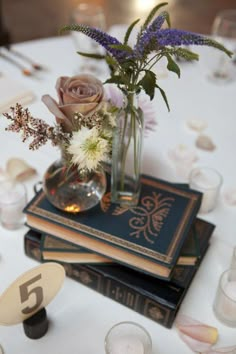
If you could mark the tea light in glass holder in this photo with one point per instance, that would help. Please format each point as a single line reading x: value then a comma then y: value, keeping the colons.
x: 13, y: 198
x: 128, y: 338
x: 208, y: 181
x: 225, y: 300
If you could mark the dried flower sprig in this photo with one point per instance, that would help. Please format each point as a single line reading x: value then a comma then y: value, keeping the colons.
x: 88, y: 145
x: 23, y: 122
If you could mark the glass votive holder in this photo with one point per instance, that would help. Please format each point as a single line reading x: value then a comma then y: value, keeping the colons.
x: 225, y: 300
x: 128, y: 338
x: 13, y: 198
x: 208, y: 181
x: 233, y: 258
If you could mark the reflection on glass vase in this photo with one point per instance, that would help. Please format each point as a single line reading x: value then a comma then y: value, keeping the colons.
x: 127, y: 153
x: 71, y: 190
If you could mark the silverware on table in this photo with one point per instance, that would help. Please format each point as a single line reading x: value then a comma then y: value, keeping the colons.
x: 25, y: 71
x: 24, y: 57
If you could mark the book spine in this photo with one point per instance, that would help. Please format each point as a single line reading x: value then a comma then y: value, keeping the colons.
x: 109, y: 287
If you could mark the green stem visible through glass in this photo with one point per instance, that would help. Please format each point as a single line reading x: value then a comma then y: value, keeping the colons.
x: 127, y: 150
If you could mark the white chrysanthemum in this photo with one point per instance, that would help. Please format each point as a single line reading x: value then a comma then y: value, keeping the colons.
x: 88, y: 148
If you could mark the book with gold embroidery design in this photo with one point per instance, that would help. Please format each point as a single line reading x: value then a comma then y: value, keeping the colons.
x: 148, y: 237
x: 157, y: 299
x: 57, y: 249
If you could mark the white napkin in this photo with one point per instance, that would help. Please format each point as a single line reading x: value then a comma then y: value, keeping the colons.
x: 12, y: 92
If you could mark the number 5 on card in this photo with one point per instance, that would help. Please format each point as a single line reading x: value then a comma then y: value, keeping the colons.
x: 30, y: 292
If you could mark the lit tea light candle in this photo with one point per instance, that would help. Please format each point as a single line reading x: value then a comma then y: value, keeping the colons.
x: 128, y: 338
x: 225, y: 301
x: 12, y: 202
x: 208, y: 181
x: 127, y: 345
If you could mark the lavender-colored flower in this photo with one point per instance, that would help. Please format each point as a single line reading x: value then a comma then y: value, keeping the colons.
x: 157, y: 39
x: 115, y: 96
x: 104, y: 39
x: 157, y: 23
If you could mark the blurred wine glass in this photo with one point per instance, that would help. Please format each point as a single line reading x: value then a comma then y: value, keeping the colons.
x: 223, y: 68
x: 87, y: 13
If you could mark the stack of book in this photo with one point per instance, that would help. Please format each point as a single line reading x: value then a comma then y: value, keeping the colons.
x: 144, y: 257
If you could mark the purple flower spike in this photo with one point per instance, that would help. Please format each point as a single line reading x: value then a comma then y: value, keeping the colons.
x: 102, y: 38
x: 173, y: 37
x: 150, y: 33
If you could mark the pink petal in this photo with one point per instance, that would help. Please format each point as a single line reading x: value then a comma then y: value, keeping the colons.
x: 55, y: 110
x: 199, y: 332
x: 230, y: 196
x: 226, y: 350
x: 60, y: 83
x: 194, y: 344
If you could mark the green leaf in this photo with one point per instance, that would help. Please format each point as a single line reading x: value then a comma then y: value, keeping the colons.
x: 111, y: 61
x: 129, y: 30
x: 153, y: 13
x: 115, y: 79
x: 163, y: 96
x: 148, y: 82
x: 186, y: 54
x: 92, y: 55
x: 212, y: 43
x: 123, y: 47
x: 172, y: 66
x: 167, y: 17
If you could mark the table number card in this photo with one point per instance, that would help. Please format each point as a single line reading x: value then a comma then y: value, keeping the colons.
x: 30, y: 292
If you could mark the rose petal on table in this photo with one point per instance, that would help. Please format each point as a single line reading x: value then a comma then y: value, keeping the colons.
x: 195, y: 345
x: 3, y: 175
x: 197, y: 333
x: 230, y: 196
x: 19, y: 170
x: 197, y: 125
x: 226, y: 350
x: 182, y: 153
x: 204, y: 142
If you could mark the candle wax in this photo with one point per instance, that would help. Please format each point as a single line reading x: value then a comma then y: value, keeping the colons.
x: 127, y: 345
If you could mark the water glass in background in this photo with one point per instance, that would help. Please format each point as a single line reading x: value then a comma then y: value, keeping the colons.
x: 87, y: 13
x: 13, y: 199
x: 223, y: 68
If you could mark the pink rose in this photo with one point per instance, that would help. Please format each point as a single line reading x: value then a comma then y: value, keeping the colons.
x: 78, y: 94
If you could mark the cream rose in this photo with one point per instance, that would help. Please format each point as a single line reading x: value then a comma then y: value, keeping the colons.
x: 78, y: 94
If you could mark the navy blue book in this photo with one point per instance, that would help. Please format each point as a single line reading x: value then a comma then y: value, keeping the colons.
x: 148, y: 237
x: 157, y: 299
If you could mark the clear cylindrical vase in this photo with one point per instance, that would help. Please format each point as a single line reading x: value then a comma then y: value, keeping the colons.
x: 127, y: 153
x: 70, y: 189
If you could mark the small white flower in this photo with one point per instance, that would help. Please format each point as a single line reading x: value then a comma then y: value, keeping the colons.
x: 88, y: 148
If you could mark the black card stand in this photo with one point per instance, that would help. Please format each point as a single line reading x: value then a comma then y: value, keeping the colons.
x: 36, y: 326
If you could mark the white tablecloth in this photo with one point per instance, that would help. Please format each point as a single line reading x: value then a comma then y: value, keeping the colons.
x: 80, y: 317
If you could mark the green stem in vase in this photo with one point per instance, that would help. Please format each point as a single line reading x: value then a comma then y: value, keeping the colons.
x: 128, y: 130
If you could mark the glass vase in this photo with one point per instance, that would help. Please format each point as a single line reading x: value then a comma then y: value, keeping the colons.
x: 127, y: 153
x: 70, y: 189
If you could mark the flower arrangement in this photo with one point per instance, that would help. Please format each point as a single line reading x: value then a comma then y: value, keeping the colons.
x: 87, y: 128
x: 132, y: 70
x: 84, y: 122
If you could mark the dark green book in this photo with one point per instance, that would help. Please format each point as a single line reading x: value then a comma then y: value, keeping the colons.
x: 157, y: 299
x: 148, y: 237
x: 54, y: 248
